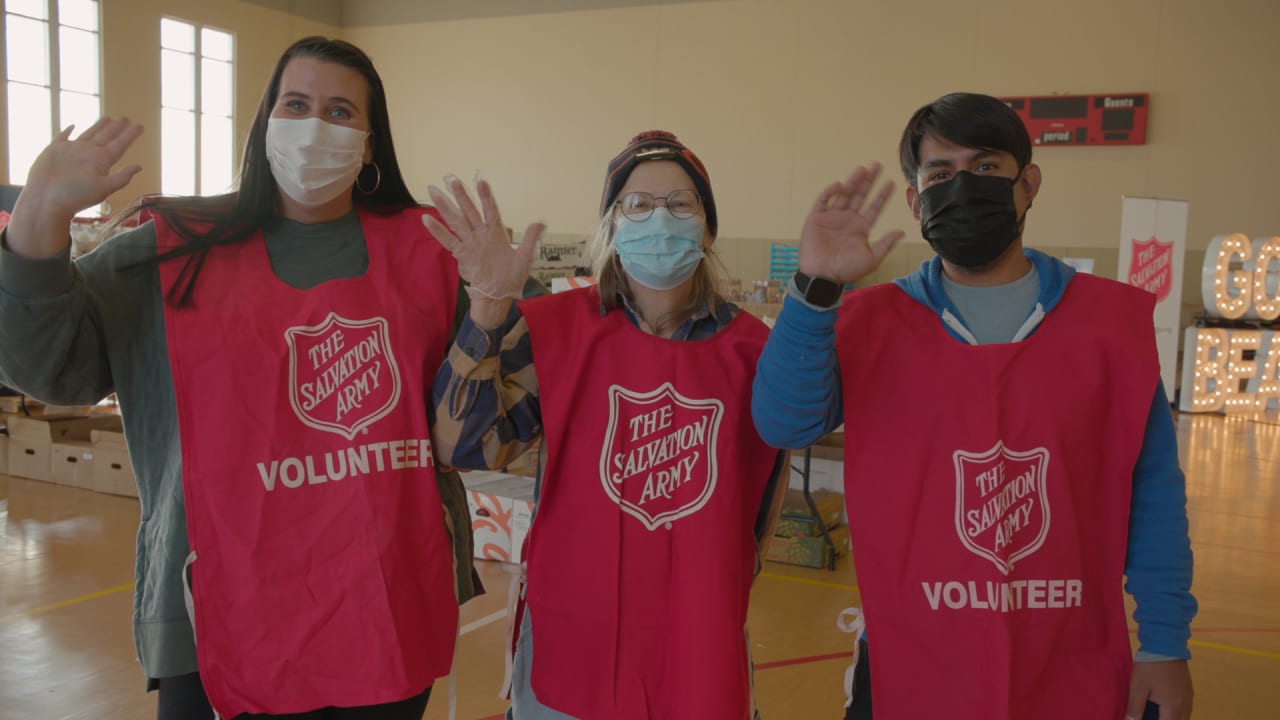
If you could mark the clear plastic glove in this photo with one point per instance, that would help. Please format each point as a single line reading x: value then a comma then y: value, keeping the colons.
x: 486, y: 260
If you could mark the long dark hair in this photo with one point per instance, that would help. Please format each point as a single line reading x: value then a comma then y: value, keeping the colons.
x: 203, y: 222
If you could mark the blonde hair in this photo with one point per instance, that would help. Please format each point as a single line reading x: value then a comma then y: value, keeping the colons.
x: 612, y: 279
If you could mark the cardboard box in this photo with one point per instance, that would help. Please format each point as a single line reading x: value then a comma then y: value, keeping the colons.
x: 797, y: 520
x: 73, y: 464
x: 527, y: 463
x: 492, y: 498
x: 15, y: 404
x: 547, y: 275
x: 826, y: 469
x: 553, y: 254
x: 521, y: 521
x: 4, y: 450
x: 31, y: 440
x: 808, y: 551
x: 27, y: 406
x: 833, y: 439
x: 112, y: 471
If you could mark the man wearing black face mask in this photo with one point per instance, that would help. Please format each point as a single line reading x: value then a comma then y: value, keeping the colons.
x: 1010, y: 456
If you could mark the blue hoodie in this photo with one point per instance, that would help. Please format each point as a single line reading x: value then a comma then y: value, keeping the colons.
x: 796, y: 399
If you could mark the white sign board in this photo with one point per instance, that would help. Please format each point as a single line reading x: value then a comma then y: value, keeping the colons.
x: 1153, y: 244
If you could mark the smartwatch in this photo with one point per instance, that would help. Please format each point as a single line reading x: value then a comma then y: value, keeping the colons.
x: 817, y: 291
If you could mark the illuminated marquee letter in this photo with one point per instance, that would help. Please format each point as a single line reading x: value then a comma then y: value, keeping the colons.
x: 1227, y: 293
x: 1239, y: 371
x: 1208, y: 391
x: 1265, y: 386
x: 1266, y: 293
x: 1240, y: 281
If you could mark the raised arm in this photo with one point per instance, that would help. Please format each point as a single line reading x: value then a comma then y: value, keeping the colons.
x: 52, y: 343
x: 796, y: 396
x: 485, y: 395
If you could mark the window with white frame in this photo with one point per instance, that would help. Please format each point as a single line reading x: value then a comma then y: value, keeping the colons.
x: 197, y: 141
x: 53, y: 69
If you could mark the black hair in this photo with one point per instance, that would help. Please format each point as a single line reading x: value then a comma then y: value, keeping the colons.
x: 203, y: 222
x: 968, y: 119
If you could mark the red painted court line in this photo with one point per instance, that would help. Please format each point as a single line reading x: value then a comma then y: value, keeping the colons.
x: 1219, y: 630
x: 848, y: 654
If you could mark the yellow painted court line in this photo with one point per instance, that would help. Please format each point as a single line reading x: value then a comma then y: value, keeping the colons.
x: 65, y: 603
x: 807, y: 581
x: 1233, y: 649
x: 494, y: 617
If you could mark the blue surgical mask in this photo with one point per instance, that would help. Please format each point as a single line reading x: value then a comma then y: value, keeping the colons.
x: 662, y: 251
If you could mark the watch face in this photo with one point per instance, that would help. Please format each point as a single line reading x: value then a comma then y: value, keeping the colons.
x: 820, y: 291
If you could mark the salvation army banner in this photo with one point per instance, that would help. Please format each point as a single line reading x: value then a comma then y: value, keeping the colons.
x: 1153, y: 242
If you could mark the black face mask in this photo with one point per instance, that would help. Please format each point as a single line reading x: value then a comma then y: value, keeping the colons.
x: 970, y: 220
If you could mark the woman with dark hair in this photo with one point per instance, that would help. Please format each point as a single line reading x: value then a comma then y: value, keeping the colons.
x: 271, y: 350
x: 657, y: 493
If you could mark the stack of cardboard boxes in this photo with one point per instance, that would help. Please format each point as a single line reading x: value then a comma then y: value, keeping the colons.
x: 563, y: 258
x: 798, y: 538
x: 501, y: 506
x: 65, y: 446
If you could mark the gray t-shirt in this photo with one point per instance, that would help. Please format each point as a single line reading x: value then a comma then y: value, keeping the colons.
x: 994, y: 314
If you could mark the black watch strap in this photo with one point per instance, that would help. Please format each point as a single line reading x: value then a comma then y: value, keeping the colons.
x: 818, y: 291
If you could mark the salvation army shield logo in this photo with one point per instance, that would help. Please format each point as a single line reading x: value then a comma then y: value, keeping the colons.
x: 342, y: 374
x: 1002, y: 508
x: 658, y: 461
x: 1151, y: 267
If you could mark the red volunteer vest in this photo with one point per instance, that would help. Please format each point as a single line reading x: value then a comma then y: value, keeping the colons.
x: 988, y: 494
x: 642, y: 553
x: 323, y: 571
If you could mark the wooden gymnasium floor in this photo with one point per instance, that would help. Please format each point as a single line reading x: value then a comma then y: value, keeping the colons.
x: 66, y: 568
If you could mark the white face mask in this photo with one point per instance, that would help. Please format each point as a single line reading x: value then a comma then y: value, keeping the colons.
x: 314, y: 161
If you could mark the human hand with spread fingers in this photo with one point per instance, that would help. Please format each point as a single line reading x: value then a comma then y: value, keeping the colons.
x: 835, y: 242
x: 495, y: 272
x: 65, y: 178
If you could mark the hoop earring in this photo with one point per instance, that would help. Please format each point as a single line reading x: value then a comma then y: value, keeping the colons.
x: 376, y: 183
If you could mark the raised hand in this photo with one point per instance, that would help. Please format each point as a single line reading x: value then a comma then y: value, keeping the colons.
x: 486, y: 260
x: 835, y: 242
x: 67, y: 177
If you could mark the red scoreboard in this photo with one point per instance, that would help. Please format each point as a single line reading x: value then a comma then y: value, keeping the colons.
x: 1084, y: 119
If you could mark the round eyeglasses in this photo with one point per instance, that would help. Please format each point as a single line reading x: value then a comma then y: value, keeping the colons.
x: 638, y: 206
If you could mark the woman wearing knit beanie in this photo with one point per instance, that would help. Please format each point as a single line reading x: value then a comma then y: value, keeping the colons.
x: 655, y: 489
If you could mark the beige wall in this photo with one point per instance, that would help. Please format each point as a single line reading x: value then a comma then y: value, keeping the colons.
x: 131, y: 69
x: 777, y: 96
x: 781, y: 96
